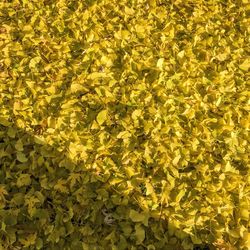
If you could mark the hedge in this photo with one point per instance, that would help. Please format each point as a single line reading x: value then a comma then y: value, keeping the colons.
x: 124, y: 124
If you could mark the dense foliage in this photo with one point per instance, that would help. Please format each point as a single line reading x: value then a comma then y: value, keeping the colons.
x: 124, y: 124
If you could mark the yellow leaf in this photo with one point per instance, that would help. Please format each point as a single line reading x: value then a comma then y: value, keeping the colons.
x: 123, y: 135
x: 230, y: 168
x: 76, y: 87
x: 147, y: 154
x: 246, y: 238
x: 150, y: 189
x: 102, y: 117
x: 96, y: 75
x: 115, y: 181
x: 180, y: 195
x: 125, y: 34
x: 181, y: 54
x: 129, y: 171
x: 129, y: 11
x: 222, y: 57
x: 160, y: 63
x: 106, y: 61
x: 176, y: 160
x: 140, y: 28
x: 244, y: 214
x: 189, y: 113
x: 34, y: 61
x: 245, y: 65
x: 94, y: 125
x: 136, y: 114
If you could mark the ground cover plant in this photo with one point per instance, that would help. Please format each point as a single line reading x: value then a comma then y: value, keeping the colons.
x: 124, y: 124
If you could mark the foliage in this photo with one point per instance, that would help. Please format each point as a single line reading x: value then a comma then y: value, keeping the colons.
x: 124, y: 124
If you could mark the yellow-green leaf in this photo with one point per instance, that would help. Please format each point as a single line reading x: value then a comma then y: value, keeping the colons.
x: 21, y: 157
x: 139, y: 234
x: 4, y: 121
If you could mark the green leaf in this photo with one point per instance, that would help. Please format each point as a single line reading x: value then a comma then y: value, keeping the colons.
x: 10, y: 220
